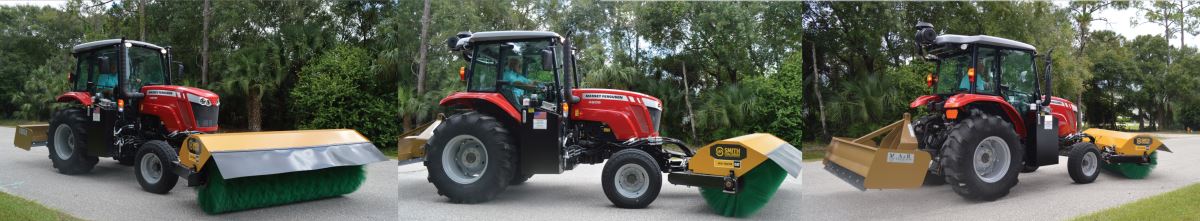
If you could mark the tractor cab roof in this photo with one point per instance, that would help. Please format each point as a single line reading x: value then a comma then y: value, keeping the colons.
x: 510, y: 35
x: 109, y: 42
x: 983, y: 40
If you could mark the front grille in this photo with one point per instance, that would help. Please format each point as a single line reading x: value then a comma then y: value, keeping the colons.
x: 655, y: 115
x: 206, y: 116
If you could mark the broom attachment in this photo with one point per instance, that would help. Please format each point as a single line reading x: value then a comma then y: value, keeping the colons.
x: 1131, y: 155
x: 738, y: 176
x: 260, y: 169
x: 887, y: 158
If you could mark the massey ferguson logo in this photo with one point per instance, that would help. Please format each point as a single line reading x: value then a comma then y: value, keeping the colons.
x: 162, y: 93
x: 605, y: 96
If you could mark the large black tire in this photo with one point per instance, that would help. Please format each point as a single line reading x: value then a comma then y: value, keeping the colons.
x: 640, y: 166
x: 933, y: 179
x: 959, y: 155
x: 1083, y: 162
x: 498, y: 161
x: 68, y: 134
x: 1028, y: 169
x: 519, y: 178
x: 153, y: 165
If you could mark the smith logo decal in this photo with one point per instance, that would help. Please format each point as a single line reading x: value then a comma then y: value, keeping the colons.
x: 728, y: 152
x: 616, y: 97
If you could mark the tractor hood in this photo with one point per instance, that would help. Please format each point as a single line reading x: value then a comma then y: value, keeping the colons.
x: 595, y: 94
x: 182, y: 108
x: 633, y: 114
x: 190, y: 94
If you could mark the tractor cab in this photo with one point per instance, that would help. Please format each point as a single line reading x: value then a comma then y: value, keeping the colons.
x: 983, y: 65
x: 118, y: 68
x: 525, y: 67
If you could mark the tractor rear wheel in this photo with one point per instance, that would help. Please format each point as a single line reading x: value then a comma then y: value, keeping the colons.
x: 982, y: 155
x: 1083, y: 162
x: 1028, y: 169
x: 631, y: 179
x: 519, y: 178
x: 68, y: 142
x: 471, y: 158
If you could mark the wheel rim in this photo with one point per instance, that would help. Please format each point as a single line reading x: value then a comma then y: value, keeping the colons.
x: 151, y: 168
x: 464, y: 159
x: 631, y: 180
x: 991, y: 159
x: 64, y: 142
x: 1089, y: 163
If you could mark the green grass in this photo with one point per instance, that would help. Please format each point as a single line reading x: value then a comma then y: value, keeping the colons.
x: 390, y: 152
x: 1175, y: 205
x: 813, y: 150
x: 16, y: 208
x: 14, y: 122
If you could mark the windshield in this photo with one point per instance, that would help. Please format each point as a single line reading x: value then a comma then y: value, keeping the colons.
x: 146, y: 67
x: 951, y: 74
x: 514, y: 69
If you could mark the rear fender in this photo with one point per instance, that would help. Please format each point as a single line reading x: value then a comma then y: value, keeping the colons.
x: 82, y: 98
x: 994, y: 103
x: 922, y: 100
x: 484, y: 102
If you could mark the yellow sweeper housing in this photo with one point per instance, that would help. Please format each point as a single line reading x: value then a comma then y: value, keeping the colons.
x: 259, y: 169
x: 1133, y: 155
x: 887, y: 158
x: 738, y: 176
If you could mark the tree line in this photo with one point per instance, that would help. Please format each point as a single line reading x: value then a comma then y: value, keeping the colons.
x: 862, y: 71
x: 721, y: 68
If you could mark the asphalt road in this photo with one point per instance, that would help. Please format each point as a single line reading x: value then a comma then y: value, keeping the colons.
x: 1047, y: 194
x: 111, y: 192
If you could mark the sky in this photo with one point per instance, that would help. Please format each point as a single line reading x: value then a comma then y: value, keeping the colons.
x: 1116, y: 20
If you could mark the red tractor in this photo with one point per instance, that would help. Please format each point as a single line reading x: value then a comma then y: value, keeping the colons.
x: 989, y: 118
x: 122, y: 105
x: 522, y: 114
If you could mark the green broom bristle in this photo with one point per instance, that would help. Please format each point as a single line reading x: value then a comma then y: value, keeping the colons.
x: 1134, y: 170
x: 758, y: 186
x: 221, y: 195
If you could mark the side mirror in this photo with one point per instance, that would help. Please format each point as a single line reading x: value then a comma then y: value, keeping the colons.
x: 547, y: 59
x: 1049, y: 83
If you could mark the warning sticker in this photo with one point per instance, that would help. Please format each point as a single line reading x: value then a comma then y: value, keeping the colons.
x: 1048, y: 122
x: 901, y: 158
x: 539, y: 120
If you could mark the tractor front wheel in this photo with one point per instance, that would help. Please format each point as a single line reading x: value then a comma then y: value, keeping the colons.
x: 67, y: 143
x: 152, y: 167
x: 1083, y: 162
x: 471, y: 159
x: 983, y: 157
x: 631, y: 179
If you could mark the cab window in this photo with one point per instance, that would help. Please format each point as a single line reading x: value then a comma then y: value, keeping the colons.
x: 1019, y: 81
x: 146, y: 67
x: 514, y: 69
x: 985, y: 70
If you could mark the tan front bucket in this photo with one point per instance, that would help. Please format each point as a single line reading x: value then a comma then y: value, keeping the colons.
x: 887, y: 158
x: 30, y: 136
x: 412, y: 141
